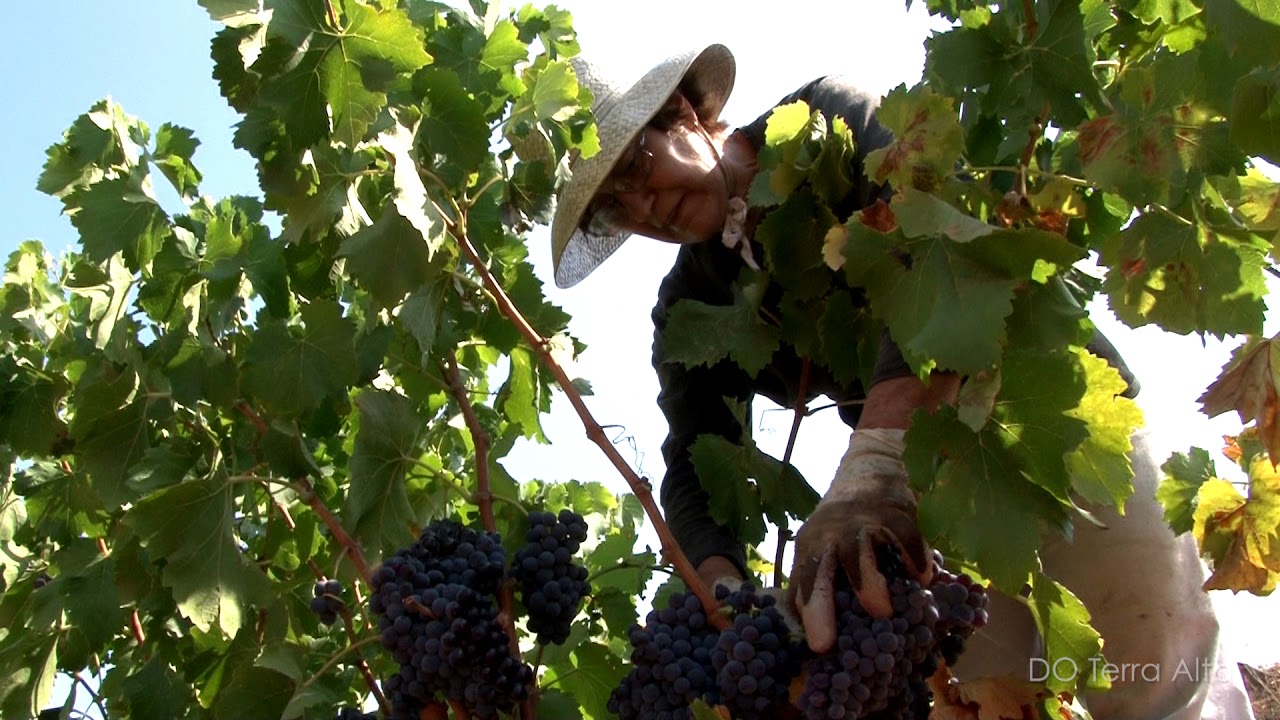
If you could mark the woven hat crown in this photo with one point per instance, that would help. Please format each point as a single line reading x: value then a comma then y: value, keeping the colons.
x: 704, y: 77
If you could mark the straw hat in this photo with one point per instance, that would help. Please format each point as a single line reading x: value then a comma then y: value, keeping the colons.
x: 705, y: 78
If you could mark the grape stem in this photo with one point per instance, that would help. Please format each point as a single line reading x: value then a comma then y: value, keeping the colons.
x: 479, y: 439
x: 349, y: 625
x: 798, y: 409
x: 308, y: 494
x: 483, y: 495
x: 640, y: 487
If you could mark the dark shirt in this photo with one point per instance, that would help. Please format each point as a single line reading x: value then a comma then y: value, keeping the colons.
x: 692, y: 398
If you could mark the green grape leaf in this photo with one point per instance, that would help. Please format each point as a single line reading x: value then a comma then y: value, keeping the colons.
x: 555, y: 92
x: 1061, y: 63
x: 411, y: 198
x: 747, y: 486
x: 792, y: 145
x: 156, y: 690
x: 97, y: 140
x: 292, y: 370
x: 1072, y: 648
x: 702, y: 334
x: 174, y: 148
x: 88, y: 589
x: 117, y: 216
x: 233, y: 13
x: 597, y: 672
x: 29, y: 402
x: 554, y: 704
x: 254, y: 692
x: 793, y: 236
x: 1179, y: 490
x: 311, y: 66
x: 922, y: 215
x: 978, y: 478
x: 850, y: 339
x: 1034, y: 414
x: 1100, y: 467
x: 389, y: 258
x: 950, y: 305
x: 192, y: 526
x: 27, y: 687
x: 237, y: 242
x: 1255, y: 113
x: 454, y: 131
x: 377, y: 505
x: 927, y: 141
x: 1184, y: 277
x: 521, y: 398
x: 1250, y: 28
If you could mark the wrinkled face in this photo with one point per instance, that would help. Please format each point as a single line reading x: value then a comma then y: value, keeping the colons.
x: 666, y: 185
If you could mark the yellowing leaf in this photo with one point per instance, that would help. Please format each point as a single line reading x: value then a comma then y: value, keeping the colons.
x: 833, y: 247
x: 927, y: 139
x: 1239, y: 534
x: 1248, y: 385
x: 1060, y: 196
x: 1004, y: 697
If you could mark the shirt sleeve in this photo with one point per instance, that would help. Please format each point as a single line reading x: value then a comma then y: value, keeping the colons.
x: 693, y: 401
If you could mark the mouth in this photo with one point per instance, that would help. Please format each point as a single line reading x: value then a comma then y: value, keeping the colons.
x: 672, y: 219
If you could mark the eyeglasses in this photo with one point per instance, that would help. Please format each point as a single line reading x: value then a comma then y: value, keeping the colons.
x: 605, y: 215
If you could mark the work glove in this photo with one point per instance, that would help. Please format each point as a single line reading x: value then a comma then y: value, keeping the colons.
x: 868, y: 503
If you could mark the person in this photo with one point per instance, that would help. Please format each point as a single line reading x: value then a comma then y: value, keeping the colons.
x: 670, y: 169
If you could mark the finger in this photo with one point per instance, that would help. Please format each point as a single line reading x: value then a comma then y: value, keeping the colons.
x: 870, y: 585
x: 800, y: 586
x: 915, y: 552
x: 817, y: 609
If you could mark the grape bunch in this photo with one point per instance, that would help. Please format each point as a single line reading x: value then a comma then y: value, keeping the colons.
x: 327, y: 601
x: 552, y: 586
x: 354, y: 714
x: 679, y: 656
x: 962, y: 608
x: 670, y: 663
x: 879, y: 667
x: 437, y: 614
x: 755, y: 658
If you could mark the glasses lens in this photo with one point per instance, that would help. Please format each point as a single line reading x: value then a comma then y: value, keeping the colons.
x: 605, y: 217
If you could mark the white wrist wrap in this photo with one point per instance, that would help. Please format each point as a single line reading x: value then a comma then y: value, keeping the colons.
x: 871, y: 467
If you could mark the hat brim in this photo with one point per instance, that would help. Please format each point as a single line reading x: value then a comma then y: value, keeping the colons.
x: 707, y: 78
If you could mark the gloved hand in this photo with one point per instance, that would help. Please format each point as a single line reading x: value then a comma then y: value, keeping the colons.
x: 868, y: 503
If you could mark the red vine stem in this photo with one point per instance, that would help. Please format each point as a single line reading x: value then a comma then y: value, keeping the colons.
x: 484, y: 494
x: 308, y: 494
x: 640, y: 487
x: 135, y: 622
x: 479, y: 438
x: 798, y: 413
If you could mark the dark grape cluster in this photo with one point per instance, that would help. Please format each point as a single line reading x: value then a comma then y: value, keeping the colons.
x: 879, y: 667
x: 353, y: 714
x: 755, y: 658
x: 327, y: 601
x: 670, y: 663
x: 436, y: 610
x: 679, y: 656
x: 552, y: 585
x: 962, y: 608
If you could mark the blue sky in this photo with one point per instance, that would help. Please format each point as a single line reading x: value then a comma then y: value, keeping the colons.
x: 62, y: 56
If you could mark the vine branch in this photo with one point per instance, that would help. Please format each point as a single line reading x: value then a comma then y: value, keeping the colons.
x: 798, y: 414
x: 308, y: 494
x: 483, y: 495
x: 640, y: 487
